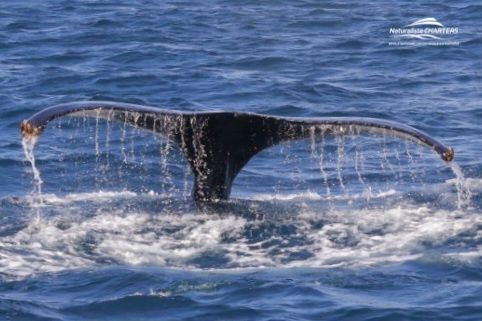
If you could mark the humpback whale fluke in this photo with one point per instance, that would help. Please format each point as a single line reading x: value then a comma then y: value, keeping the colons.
x: 218, y: 144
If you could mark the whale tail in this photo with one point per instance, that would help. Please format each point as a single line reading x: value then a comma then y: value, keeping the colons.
x: 217, y: 145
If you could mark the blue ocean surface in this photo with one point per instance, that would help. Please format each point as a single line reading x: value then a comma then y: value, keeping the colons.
x: 355, y: 227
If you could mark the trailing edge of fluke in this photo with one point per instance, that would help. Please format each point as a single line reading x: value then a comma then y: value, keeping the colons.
x: 218, y: 144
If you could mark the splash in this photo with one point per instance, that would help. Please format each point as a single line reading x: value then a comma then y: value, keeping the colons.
x: 335, y: 238
x: 464, y: 194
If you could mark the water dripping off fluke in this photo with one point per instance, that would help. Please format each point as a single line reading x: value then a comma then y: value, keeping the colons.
x: 359, y: 168
x: 319, y: 155
x: 217, y: 145
x: 340, y: 161
x: 28, y: 144
x: 464, y: 194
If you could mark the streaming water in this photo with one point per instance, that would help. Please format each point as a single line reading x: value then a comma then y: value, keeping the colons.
x: 97, y: 148
x: 123, y: 140
x: 107, y: 138
x: 385, y: 163
x: 340, y: 160
x: 166, y: 179
x: 28, y: 145
x: 411, y: 162
x: 318, y: 154
x: 359, y: 168
x: 464, y: 194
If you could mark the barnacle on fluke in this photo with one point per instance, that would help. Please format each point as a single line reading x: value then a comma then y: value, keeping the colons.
x: 28, y: 130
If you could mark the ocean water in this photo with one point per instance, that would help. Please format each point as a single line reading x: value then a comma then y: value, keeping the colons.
x: 329, y: 228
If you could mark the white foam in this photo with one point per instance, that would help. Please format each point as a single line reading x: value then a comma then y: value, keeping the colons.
x: 400, y: 234
x: 335, y: 238
x: 314, y: 196
x: 98, y: 196
x: 467, y: 257
x: 473, y: 184
x: 90, y: 196
x: 195, y: 234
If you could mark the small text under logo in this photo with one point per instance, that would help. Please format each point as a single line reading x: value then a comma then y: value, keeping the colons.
x: 423, y: 32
